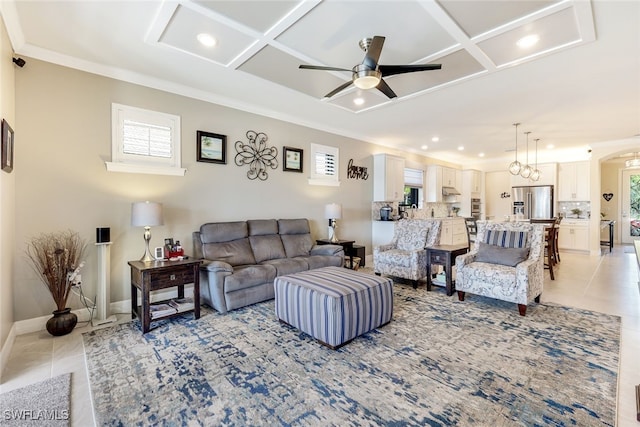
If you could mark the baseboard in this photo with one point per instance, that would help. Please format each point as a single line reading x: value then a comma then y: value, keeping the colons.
x: 5, y: 352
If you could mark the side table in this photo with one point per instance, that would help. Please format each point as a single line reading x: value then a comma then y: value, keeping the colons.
x: 155, y: 275
x: 444, y: 255
x: 347, y: 246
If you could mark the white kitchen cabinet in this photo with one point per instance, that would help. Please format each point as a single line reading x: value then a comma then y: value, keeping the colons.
x: 574, y: 235
x: 388, y: 178
x: 573, y: 182
x: 438, y: 177
x: 453, y: 232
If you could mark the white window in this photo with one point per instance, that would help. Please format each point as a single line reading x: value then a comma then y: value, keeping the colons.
x: 144, y: 141
x: 324, y: 165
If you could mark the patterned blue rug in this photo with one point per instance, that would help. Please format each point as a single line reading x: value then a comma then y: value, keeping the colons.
x: 440, y: 362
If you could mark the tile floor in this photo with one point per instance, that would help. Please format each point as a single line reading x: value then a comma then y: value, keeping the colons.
x: 607, y: 284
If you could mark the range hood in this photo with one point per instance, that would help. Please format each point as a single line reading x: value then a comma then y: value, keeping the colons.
x: 450, y: 191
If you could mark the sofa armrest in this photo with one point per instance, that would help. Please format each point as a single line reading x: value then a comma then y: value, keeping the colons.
x: 465, y: 259
x: 216, y: 266
x: 333, y: 250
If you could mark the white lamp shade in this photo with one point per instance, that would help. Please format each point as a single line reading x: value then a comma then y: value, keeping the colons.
x: 146, y: 214
x: 333, y: 211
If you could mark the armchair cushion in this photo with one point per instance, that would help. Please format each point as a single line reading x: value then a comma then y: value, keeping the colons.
x: 506, y: 238
x: 412, y: 238
x: 501, y: 255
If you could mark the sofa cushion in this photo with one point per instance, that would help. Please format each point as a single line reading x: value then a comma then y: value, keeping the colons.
x: 296, y: 244
x: 267, y: 247
x: 261, y: 227
x: 247, y: 276
x: 506, y: 238
x: 285, y: 266
x: 293, y: 226
x: 216, y: 232
x: 493, y: 254
x: 236, y: 252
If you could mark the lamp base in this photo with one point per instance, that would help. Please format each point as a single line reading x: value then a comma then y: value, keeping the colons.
x: 147, y: 257
x: 333, y: 238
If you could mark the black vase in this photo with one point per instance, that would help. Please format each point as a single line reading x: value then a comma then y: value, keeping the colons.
x: 62, y: 322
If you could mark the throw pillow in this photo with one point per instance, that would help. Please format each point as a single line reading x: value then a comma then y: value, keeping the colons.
x: 506, y: 238
x: 493, y: 254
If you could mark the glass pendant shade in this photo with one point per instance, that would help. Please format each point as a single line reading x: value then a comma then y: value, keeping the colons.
x: 535, y: 175
x: 526, y: 171
x: 515, y: 166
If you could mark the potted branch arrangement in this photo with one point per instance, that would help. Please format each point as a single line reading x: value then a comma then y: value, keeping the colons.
x: 57, y: 258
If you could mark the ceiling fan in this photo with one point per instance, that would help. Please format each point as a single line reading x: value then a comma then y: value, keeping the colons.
x: 369, y: 73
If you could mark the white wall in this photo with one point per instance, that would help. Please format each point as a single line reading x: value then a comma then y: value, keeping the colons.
x: 63, y: 117
x: 7, y: 185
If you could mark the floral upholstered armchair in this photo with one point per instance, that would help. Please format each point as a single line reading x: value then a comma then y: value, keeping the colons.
x: 406, y: 256
x: 506, y: 263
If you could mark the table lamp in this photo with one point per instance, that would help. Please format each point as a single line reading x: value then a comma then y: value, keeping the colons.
x: 332, y: 212
x: 146, y: 214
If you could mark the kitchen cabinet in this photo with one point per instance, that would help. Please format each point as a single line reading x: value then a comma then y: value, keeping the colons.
x: 573, y: 182
x: 574, y: 235
x: 472, y: 179
x: 453, y: 232
x: 388, y: 178
x: 548, y: 175
x: 498, y: 198
x: 438, y: 177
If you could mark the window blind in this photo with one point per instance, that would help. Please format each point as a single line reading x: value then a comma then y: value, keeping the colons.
x: 145, y: 139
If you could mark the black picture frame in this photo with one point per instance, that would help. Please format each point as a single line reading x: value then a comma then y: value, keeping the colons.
x: 211, y: 147
x: 292, y: 159
x: 7, y: 147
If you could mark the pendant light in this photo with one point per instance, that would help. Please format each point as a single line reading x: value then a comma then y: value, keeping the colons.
x: 515, y: 166
x: 527, y: 170
x: 535, y: 175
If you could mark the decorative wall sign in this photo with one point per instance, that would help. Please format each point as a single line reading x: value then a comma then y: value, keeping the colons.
x: 356, y: 172
x: 607, y: 196
x: 211, y: 147
x: 291, y: 159
x: 257, y: 155
x: 505, y: 195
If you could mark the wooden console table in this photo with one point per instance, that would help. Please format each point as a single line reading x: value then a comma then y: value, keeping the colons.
x: 444, y: 255
x: 155, y: 275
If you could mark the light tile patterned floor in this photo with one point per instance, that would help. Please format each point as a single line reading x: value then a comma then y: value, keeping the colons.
x: 607, y: 284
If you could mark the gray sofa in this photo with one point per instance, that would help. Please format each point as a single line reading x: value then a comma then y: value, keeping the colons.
x: 242, y: 258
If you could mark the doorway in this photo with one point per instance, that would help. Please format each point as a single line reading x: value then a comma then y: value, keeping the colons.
x: 630, y: 209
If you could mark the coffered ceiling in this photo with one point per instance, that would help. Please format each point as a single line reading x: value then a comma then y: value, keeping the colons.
x: 578, y: 85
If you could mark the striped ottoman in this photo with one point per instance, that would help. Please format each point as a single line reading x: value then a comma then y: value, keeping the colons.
x: 333, y: 304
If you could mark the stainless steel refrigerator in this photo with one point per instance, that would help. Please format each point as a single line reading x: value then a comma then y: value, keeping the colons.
x: 533, y: 202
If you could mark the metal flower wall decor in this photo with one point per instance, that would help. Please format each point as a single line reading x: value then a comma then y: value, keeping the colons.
x: 257, y: 155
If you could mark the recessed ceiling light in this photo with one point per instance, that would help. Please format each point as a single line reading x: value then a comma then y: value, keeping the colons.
x: 460, y: 148
x: 480, y: 154
x: 424, y: 147
x: 358, y: 101
x: 528, y: 41
x: 207, y: 40
x: 435, y: 139
x: 550, y: 146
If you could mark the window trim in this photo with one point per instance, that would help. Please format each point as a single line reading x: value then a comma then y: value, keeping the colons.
x: 131, y: 163
x: 323, y: 179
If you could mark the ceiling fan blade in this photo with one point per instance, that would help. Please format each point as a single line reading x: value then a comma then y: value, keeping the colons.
x: 384, y: 88
x: 339, y: 89
x: 320, y: 67
x: 373, y: 52
x: 390, y: 70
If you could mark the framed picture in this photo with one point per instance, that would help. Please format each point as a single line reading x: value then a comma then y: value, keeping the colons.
x: 292, y: 159
x: 212, y: 148
x: 7, y: 147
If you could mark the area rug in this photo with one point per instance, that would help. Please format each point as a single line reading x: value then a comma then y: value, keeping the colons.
x: 440, y: 362
x: 46, y: 403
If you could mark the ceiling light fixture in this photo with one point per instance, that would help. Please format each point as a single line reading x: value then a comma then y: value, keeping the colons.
x: 527, y: 170
x: 358, y: 101
x: 364, y: 78
x: 535, y: 175
x: 207, y: 40
x: 528, y: 41
x: 515, y: 166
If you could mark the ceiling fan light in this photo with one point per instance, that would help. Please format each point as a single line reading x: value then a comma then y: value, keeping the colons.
x: 364, y: 78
